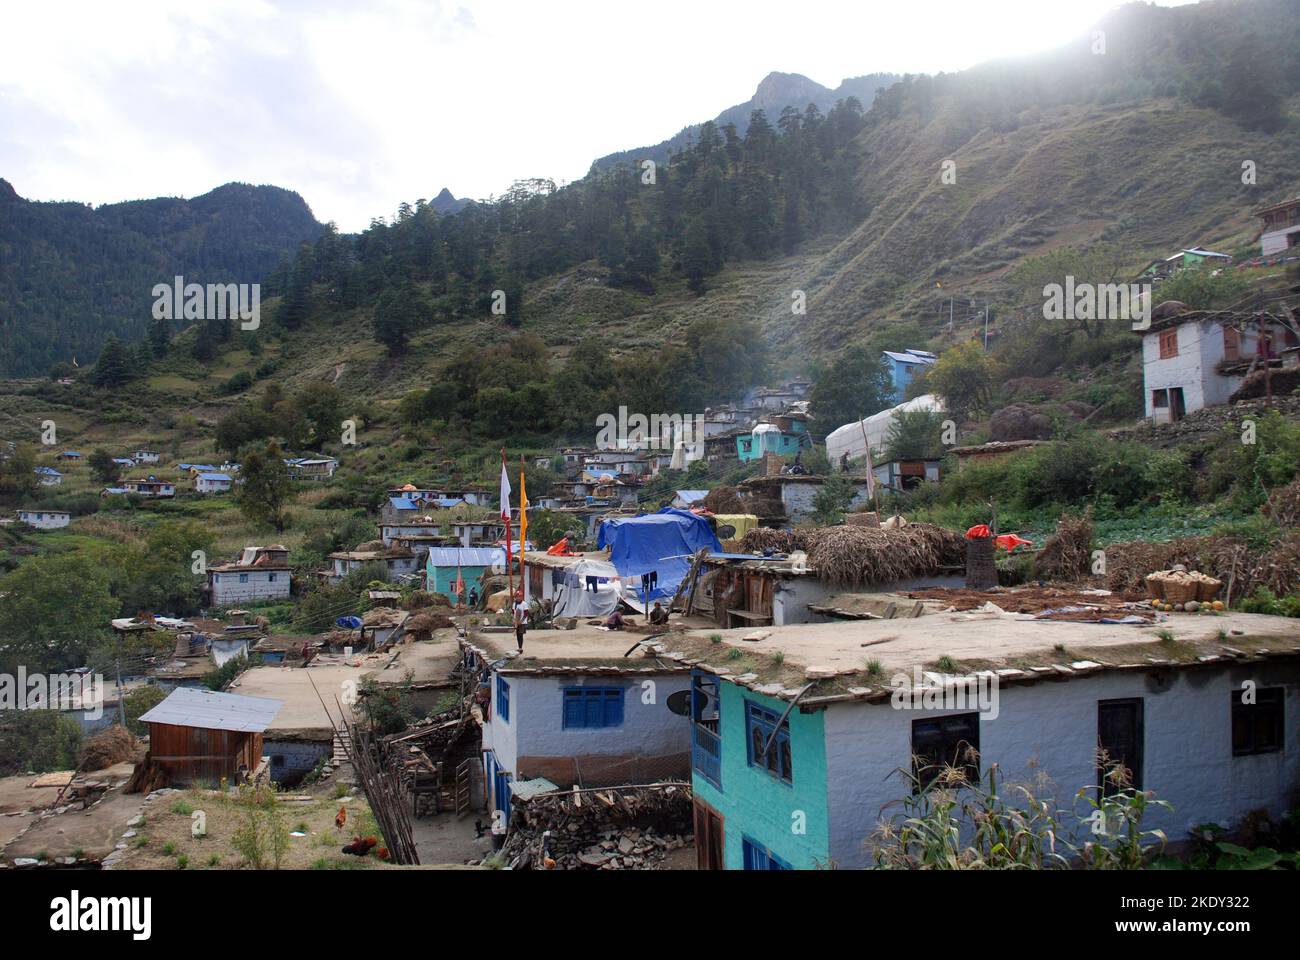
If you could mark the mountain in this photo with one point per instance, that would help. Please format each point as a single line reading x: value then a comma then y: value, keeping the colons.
x: 70, y: 275
x: 668, y: 299
x: 445, y: 202
x: 775, y: 92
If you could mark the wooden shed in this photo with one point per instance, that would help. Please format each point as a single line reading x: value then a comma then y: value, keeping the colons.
x: 199, y: 736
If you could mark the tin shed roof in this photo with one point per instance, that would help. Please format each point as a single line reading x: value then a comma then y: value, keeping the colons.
x: 186, y: 707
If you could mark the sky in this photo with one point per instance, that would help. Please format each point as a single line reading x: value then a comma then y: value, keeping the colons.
x: 360, y: 106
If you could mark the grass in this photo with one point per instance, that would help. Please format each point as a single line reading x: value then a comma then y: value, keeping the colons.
x: 946, y: 663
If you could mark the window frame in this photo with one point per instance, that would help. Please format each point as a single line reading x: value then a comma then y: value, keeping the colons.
x: 607, y: 697
x: 756, y: 856
x: 926, y: 774
x: 503, y: 698
x: 1168, y: 343
x: 1250, y: 715
x: 778, y: 765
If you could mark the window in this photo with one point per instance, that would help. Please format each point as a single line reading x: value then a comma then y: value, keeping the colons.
x: 1257, y: 727
x: 1168, y: 343
x: 1119, y: 742
x: 1159, y: 398
x: 760, y: 725
x: 1231, y: 344
x: 590, y: 708
x: 939, y: 742
x: 503, y: 699
x: 758, y: 857
x: 243, y: 578
x: 706, y: 742
x: 270, y: 578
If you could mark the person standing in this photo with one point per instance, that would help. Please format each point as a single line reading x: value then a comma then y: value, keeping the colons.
x: 521, y: 622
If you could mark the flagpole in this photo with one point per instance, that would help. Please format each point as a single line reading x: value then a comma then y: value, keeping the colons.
x: 505, y: 515
x: 523, y: 529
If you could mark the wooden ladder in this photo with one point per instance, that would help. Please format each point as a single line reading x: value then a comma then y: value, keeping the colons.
x: 342, y: 747
x: 462, y: 787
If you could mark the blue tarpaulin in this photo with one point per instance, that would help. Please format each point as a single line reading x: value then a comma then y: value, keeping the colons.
x: 661, y: 543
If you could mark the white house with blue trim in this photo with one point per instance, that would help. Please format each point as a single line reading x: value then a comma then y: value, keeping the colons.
x: 48, y: 476
x: 260, y: 573
x: 213, y: 483
x: 574, y: 710
x: 45, y: 519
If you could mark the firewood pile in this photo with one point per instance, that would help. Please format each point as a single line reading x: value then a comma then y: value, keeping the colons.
x: 603, y: 828
x: 148, y: 776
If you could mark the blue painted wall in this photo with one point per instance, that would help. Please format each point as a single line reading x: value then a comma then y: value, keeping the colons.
x: 755, y: 804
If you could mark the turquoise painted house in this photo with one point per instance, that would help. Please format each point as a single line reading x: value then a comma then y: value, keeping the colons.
x: 784, y: 435
x: 443, y: 564
x: 759, y: 779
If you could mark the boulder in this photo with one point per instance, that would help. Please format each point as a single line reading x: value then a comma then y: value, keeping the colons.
x: 1019, y: 422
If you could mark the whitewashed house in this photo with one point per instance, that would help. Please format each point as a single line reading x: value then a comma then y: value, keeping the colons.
x: 147, y: 456
x: 260, y: 573
x: 1199, y: 358
x: 1279, y: 227
x: 45, y: 519
x: 547, y: 718
x: 49, y: 477
x: 212, y: 483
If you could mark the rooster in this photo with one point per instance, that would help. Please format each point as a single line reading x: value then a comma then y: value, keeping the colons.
x: 341, y: 818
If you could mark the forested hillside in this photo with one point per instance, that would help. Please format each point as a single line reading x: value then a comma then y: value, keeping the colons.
x: 70, y: 275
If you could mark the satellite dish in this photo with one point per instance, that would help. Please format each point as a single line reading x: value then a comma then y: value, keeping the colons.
x: 680, y: 703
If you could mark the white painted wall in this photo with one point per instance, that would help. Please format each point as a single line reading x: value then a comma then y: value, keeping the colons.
x: 535, y: 727
x: 1050, y: 730
x: 44, y: 519
x: 1200, y: 348
x: 258, y: 585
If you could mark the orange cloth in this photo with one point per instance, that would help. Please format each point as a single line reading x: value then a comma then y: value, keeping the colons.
x: 1009, y: 541
x: 979, y: 532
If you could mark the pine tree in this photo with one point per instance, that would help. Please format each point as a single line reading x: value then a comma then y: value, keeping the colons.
x: 113, y: 368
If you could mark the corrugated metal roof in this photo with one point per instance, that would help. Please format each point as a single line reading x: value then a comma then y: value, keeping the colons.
x: 186, y: 707
x: 524, y: 789
x: 214, y: 476
x: 401, y: 503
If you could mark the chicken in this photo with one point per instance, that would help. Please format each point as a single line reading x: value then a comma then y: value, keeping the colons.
x: 341, y: 818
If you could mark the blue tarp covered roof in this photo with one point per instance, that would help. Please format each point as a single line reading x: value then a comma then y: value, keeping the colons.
x: 401, y: 503
x: 662, y: 543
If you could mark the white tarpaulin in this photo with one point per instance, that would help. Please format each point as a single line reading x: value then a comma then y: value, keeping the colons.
x: 590, y: 590
x: 850, y: 436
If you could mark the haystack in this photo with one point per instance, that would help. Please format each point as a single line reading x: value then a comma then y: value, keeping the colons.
x: 779, y: 541
x: 114, y: 745
x: 1283, y: 506
x: 724, y: 500
x: 1066, y: 553
x: 857, y: 556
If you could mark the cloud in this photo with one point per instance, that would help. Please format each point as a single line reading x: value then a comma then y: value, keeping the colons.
x: 359, y: 108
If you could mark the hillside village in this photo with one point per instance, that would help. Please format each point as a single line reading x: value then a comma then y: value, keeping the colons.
x: 782, y: 522
x: 663, y: 676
